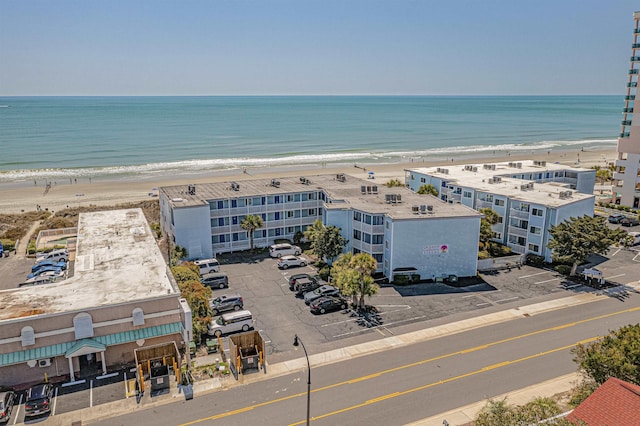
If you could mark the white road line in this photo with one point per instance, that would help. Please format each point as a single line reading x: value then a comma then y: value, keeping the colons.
x: 91, y: 393
x: 15, y: 419
x: 615, y: 252
x: 572, y: 286
x: 533, y: 275
x: 126, y: 391
x: 615, y: 276
x: 471, y: 295
x: 356, y: 318
x: 636, y: 258
x: 55, y: 402
x: 482, y: 304
x: 506, y: 300
x: 547, y: 281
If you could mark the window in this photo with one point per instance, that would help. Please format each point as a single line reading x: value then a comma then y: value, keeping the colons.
x: 357, y: 235
x: 467, y: 194
x: 500, y: 219
x: 489, y: 198
x: 386, y: 244
x: 28, y: 336
x: 378, y: 220
x: 234, y: 203
x: 524, y: 207
x: 537, y: 212
x: 422, y: 180
x: 367, y: 219
x: 388, y: 224
x: 499, y: 202
x: 312, y: 212
x: 290, y: 214
x: 357, y: 216
x: 377, y: 239
x: 497, y: 235
x: 234, y: 220
x: 378, y: 257
x: 83, y: 326
x: 138, y: 316
x: 367, y: 238
x: 534, y: 248
x: 535, y: 230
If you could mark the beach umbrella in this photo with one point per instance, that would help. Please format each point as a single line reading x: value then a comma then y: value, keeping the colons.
x: 371, y: 173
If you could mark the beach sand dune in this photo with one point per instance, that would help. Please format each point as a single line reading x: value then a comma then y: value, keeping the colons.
x: 16, y: 198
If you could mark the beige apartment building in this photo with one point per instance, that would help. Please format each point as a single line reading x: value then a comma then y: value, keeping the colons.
x: 120, y: 298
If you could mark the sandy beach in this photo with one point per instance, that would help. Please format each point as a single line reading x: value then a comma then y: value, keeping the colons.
x: 21, y: 197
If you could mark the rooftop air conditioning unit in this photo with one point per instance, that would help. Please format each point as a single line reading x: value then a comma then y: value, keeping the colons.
x: 445, y: 171
x: 497, y: 179
x: 192, y: 189
x: 524, y: 187
x: 430, y: 209
x: 44, y: 362
x: 474, y: 169
x: 438, y: 170
x: 341, y: 177
x: 398, y: 198
x: 363, y: 189
x: 519, y: 165
x: 235, y: 186
x: 387, y: 198
x: 275, y: 183
x: 415, y: 209
x: 423, y: 209
x: 490, y: 180
x: 511, y: 164
x: 374, y: 189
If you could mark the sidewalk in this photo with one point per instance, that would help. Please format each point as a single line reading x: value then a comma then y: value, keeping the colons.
x: 458, y: 416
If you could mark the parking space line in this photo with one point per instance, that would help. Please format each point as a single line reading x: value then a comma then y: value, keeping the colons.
x: 422, y: 317
x: 90, y: 393
x: 506, y: 300
x: 15, y: 419
x: 406, y: 307
x: 615, y: 252
x: 547, y: 281
x: 572, y: 286
x: 636, y: 257
x: 615, y: 276
x: 533, y: 275
x: 482, y: 304
x: 55, y: 402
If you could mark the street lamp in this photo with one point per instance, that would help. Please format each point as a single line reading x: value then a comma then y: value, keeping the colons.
x: 296, y: 341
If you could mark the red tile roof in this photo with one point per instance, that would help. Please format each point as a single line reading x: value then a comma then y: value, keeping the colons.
x: 614, y: 403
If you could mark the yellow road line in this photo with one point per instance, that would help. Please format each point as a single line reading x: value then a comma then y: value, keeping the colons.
x: 417, y: 363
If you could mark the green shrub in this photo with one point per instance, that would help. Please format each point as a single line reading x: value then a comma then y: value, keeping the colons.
x: 297, y: 237
x: 401, y: 279
x: 9, y: 245
x: 415, y: 278
x: 324, y: 272
x: 282, y: 241
x: 535, y: 260
x: 31, y: 249
x: 563, y: 269
x: 484, y: 255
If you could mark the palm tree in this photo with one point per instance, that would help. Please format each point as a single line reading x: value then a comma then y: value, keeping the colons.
x: 250, y: 223
x: 365, y: 265
x: 313, y: 231
x: 428, y: 189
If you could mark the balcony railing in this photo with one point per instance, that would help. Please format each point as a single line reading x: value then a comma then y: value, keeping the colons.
x: 635, y: 46
x: 520, y: 214
x: 632, y: 84
x: 636, y: 31
x: 635, y: 71
x: 630, y: 98
x: 624, y: 135
x: 483, y: 204
x: 626, y: 122
x: 627, y: 110
x: 635, y: 58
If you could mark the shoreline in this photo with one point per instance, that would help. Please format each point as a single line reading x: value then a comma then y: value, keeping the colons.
x: 17, y: 197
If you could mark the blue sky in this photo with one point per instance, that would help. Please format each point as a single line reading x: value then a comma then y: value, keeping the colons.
x: 327, y: 47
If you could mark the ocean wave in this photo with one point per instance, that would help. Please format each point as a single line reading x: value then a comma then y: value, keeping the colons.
x: 218, y: 164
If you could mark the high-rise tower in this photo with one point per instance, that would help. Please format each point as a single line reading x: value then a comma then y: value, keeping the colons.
x: 627, y: 175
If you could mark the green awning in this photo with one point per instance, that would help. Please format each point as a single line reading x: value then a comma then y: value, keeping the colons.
x: 71, y: 347
x: 85, y: 343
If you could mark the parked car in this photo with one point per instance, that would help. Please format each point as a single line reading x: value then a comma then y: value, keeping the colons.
x: 57, y: 255
x: 7, y: 400
x: 324, y: 290
x: 38, y: 400
x: 231, y: 322
x: 215, y: 280
x: 287, y: 261
x: 226, y: 302
x: 207, y: 265
x: 636, y: 237
x: 279, y: 250
x: 43, y: 270
x: 293, y: 279
x: 327, y: 304
x: 615, y: 217
x: 39, y: 280
x: 629, y: 221
x: 46, y: 263
x: 305, y: 285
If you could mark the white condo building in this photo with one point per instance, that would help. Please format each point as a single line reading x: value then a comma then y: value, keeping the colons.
x: 399, y: 228
x: 626, y: 179
x: 529, y: 196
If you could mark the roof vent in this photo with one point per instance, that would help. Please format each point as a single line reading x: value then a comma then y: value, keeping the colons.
x: 340, y: 177
x: 304, y: 180
x: 275, y: 183
x: 235, y: 186
x: 192, y: 189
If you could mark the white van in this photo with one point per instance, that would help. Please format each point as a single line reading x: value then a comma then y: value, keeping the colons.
x: 284, y: 249
x: 208, y: 265
x: 231, y: 322
x: 55, y: 255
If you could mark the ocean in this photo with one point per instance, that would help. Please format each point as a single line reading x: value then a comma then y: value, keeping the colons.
x: 64, y: 137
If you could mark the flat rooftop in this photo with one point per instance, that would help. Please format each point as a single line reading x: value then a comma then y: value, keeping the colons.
x: 552, y: 194
x: 366, y: 195
x: 117, y: 261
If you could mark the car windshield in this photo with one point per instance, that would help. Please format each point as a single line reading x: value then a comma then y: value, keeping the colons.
x: 220, y: 321
x: 1, y: 405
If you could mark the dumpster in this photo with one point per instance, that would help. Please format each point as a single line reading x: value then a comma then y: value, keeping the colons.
x: 159, y: 377
x: 247, y: 351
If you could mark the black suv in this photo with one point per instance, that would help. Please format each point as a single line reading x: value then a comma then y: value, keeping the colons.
x: 293, y: 279
x: 304, y: 285
x: 226, y: 302
x: 38, y: 400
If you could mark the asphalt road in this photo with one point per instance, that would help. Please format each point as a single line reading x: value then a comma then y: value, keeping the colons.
x: 413, y: 382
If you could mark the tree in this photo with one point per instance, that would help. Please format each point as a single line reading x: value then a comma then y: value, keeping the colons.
x: 615, y: 355
x: 576, y: 238
x: 352, y: 275
x: 329, y: 243
x: 393, y: 183
x: 313, y: 231
x: 490, y: 218
x: 534, y: 412
x: 250, y: 223
x: 427, y: 189
x: 197, y: 296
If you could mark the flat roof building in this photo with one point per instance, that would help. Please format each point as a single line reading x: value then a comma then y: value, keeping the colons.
x: 121, y: 297
x: 396, y: 226
x: 529, y: 197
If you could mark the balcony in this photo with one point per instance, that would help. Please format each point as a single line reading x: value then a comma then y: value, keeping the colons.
x: 636, y: 31
x: 630, y: 98
x: 624, y: 135
x: 519, y: 214
x: 635, y: 58
x: 632, y: 84
x: 627, y: 110
x: 516, y: 248
x: 634, y: 71
x: 626, y: 122
x: 483, y: 204
x: 635, y: 46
